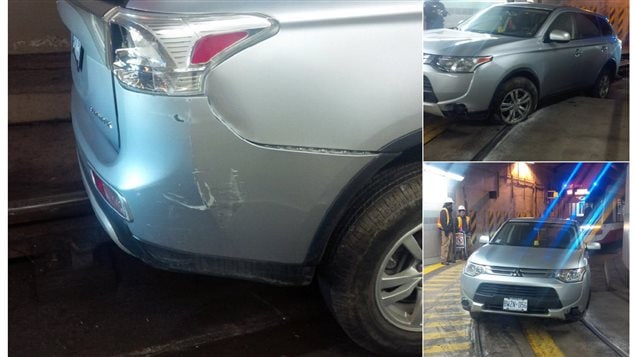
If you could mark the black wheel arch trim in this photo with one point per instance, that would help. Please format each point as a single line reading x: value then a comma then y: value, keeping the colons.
x: 523, y: 72
x: 410, y: 150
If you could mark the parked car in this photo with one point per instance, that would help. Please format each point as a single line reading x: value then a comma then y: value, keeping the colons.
x: 503, y: 60
x: 530, y: 267
x: 272, y: 141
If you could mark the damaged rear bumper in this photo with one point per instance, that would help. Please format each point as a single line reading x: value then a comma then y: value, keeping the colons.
x: 205, y: 200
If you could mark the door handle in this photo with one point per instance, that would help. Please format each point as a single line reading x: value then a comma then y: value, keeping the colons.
x: 578, y: 52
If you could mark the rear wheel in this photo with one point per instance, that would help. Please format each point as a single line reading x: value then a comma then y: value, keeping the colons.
x: 373, y: 278
x: 514, y: 101
x: 602, y: 84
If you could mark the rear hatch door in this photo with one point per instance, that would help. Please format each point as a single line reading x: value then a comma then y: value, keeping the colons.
x: 90, y: 66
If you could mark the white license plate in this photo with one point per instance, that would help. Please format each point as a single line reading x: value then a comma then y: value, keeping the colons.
x: 514, y: 304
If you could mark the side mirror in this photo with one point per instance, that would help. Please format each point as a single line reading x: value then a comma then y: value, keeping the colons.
x: 593, y: 246
x: 483, y: 239
x: 559, y: 36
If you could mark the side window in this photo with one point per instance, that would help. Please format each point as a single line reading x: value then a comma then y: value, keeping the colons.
x: 564, y: 22
x: 586, y: 27
x: 605, y: 27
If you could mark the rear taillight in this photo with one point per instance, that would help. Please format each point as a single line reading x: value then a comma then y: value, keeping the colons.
x: 171, y: 55
x: 112, y: 197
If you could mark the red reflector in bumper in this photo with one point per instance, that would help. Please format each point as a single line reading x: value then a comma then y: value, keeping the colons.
x: 112, y: 197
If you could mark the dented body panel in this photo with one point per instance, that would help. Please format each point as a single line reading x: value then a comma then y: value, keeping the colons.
x: 241, y: 181
x: 196, y: 187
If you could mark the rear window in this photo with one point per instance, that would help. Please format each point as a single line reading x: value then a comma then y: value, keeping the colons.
x: 605, y: 27
x: 586, y: 26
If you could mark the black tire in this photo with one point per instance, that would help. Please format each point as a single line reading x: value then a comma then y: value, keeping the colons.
x: 476, y: 315
x: 525, y: 90
x: 390, y: 210
x: 602, y: 84
x: 577, y: 315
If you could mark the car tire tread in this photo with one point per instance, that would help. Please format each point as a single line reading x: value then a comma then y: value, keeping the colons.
x: 393, y: 203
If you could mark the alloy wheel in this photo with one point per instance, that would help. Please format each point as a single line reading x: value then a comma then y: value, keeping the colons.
x: 398, y: 286
x: 604, y: 86
x: 516, y: 106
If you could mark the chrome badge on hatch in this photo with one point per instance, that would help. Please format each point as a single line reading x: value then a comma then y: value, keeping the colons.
x: 101, y: 118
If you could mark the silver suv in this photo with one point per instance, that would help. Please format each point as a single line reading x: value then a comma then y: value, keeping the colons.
x: 530, y: 267
x: 501, y: 61
x: 272, y: 141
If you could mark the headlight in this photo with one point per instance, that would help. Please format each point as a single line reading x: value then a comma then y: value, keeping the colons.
x: 454, y: 64
x: 570, y: 275
x: 472, y: 269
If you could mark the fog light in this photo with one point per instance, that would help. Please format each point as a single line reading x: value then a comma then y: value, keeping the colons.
x: 112, y: 197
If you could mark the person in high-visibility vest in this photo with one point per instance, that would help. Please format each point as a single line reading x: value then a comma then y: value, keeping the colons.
x: 464, y: 224
x: 445, y: 223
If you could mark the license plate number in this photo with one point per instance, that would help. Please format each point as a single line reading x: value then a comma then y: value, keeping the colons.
x: 514, y: 304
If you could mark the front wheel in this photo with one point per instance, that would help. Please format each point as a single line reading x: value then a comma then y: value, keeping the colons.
x: 514, y: 101
x: 373, y: 277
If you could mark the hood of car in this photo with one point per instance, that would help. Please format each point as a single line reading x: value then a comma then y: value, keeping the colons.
x: 450, y: 42
x: 527, y: 257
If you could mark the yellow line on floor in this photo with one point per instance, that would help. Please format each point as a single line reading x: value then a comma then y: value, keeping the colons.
x: 445, y: 334
x: 450, y: 347
x: 433, y: 130
x: 444, y: 315
x: 431, y: 268
x: 442, y: 278
x: 442, y: 324
x: 541, y: 343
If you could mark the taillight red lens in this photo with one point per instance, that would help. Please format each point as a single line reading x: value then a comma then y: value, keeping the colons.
x: 209, y: 46
x: 112, y: 197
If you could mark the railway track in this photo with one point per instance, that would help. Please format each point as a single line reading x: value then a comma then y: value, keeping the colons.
x: 463, y: 140
x: 602, y: 336
x: 479, y: 349
x: 491, y: 144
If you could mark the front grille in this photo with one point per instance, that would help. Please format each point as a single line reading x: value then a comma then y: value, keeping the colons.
x: 539, y: 299
x: 531, y: 273
x: 428, y: 92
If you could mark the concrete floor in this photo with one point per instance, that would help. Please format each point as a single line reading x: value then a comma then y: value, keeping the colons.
x: 120, y: 306
x: 449, y: 331
x: 565, y: 128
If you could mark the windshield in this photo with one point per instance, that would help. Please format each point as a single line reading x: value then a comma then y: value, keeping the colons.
x: 537, y: 235
x: 507, y: 20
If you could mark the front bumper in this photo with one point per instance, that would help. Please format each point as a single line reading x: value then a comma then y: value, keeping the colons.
x: 457, y: 94
x: 552, y: 299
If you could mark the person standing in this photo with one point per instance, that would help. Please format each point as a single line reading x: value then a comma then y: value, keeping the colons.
x: 464, y: 225
x: 445, y: 223
x: 434, y: 13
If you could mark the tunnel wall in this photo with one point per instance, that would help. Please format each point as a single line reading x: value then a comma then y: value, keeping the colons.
x: 492, y: 194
